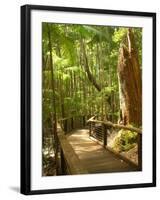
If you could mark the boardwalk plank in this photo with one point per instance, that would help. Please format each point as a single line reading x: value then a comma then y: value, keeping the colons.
x: 93, y: 157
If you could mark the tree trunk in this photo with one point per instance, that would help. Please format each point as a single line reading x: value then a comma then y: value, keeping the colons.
x: 130, y: 86
x: 54, y: 123
x: 86, y: 67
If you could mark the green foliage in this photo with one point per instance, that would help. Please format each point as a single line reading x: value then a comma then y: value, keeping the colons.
x: 109, y: 90
x: 125, y: 141
x: 138, y: 42
x: 74, y: 93
x: 60, y: 63
x: 119, y: 35
x: 69, y: 49
x: 71, y: 82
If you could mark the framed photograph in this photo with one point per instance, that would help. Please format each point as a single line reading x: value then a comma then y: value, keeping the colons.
x: 88, y: 99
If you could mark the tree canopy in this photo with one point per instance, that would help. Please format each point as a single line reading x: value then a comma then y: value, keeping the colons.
x: 80, y: 72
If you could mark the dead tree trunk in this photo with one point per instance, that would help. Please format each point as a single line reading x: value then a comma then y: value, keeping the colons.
x: 130, y: 85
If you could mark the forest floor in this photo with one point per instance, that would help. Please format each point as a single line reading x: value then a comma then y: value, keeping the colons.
x: 132, y: 154
x: 49, y: 169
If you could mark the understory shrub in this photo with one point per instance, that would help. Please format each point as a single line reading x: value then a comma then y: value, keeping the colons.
x: 125, y: 140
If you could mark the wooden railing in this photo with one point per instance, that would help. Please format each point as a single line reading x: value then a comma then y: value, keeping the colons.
x: 69, y: 123
x: 69, y: 162
x: 99, y: 130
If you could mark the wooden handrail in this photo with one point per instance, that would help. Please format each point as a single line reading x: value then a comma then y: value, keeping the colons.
x: 108, y: 123
x: 65, y: 118
x: 74, y: 165
x: 70, y: 123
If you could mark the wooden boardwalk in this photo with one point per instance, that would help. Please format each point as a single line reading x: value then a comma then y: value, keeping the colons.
x: 93, y: 157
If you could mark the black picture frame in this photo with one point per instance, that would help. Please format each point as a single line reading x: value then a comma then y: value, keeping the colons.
x: 26, y: 98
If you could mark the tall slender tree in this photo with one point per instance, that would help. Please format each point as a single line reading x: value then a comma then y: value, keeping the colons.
x: 53, y: 95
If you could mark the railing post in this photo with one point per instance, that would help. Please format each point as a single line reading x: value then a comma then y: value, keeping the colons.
x: 83, y: 117
x: 72, y: 123
x: 65, y: 125
x: 140, y: 151
x: 69, y: 124
x: 104, y: 128
x: 62, y: 169
x: 90, y: 128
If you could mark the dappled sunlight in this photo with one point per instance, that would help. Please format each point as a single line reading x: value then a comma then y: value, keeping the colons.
x: 91, y: 87
x: 93, y: 156
x: 82, y: 143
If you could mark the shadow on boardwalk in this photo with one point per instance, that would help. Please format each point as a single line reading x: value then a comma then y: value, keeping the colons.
x: 93, y: 157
